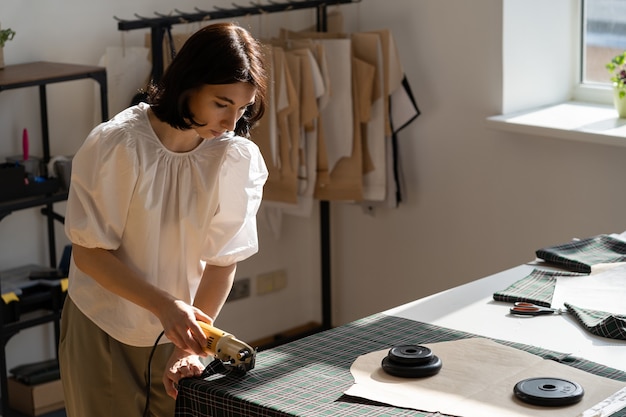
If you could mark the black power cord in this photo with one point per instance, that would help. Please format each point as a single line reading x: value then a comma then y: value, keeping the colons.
x: 149, y: 375
x: 215, y: 367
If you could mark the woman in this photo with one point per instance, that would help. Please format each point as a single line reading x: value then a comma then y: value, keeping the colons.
x: 162, y: 206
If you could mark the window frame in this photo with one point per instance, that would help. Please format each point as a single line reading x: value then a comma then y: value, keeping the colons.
x: 587, y: 92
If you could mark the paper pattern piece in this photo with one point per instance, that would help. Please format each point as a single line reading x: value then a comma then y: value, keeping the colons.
x: 476, y: 380
x: 128, y: 70
x: 604, y: 291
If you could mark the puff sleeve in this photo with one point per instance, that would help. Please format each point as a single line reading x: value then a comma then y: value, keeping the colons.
x: 232, y: 235
x: 104, y: 173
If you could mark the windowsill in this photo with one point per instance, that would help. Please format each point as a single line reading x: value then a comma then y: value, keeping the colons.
x: 585, y: 122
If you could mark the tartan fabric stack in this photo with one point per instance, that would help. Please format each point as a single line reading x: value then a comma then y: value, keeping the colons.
x: 577, y: 258
x: 581, y: 255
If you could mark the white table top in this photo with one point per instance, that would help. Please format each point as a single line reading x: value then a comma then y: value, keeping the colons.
x: 471, y: 308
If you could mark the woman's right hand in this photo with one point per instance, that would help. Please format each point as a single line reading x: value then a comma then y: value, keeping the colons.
x: 179, y: 321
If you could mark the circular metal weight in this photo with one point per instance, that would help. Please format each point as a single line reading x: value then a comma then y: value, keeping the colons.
x: 410, y: 354
x: 550, y: 392
x: 411, y: 361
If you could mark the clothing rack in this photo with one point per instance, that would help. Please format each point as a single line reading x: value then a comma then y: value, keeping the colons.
x: 161, y: 24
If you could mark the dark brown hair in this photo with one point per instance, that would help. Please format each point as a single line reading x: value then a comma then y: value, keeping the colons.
x: 221, y: 53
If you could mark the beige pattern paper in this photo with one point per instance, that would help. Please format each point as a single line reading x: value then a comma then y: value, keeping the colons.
x: 476, y: 380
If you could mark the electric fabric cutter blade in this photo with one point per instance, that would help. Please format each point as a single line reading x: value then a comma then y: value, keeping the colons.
x: 234, y: 354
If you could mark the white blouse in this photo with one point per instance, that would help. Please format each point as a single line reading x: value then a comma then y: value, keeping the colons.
x: 165, y: 214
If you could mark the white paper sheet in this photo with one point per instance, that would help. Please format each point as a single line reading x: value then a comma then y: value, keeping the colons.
x: 604, y: 290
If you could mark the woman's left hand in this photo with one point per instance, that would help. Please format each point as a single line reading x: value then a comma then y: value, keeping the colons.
x: 180, y: 365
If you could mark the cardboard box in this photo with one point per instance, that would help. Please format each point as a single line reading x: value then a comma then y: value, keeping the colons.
x: 34, y: 400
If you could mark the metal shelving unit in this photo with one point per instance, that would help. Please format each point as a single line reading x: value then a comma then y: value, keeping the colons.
x: 50, y: 300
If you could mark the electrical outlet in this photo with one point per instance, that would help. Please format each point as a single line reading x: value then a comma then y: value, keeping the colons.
x: 280, y: 279
x: 271, y: 281
x: 264, y: 283
x: 239, y: 290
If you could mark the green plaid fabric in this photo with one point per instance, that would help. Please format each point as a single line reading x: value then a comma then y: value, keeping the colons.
x: 308, y: 377
x: 580, y: 255
x: 600, y: 323
x: 536, y: 288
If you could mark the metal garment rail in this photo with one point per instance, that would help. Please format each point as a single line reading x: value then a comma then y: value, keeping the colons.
x: 161, y: 23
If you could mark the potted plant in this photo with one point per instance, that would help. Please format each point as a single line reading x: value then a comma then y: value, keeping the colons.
x: 5, y: 36
x: 617, y: 68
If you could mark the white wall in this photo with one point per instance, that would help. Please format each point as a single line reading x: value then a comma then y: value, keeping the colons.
x: 477, y: 200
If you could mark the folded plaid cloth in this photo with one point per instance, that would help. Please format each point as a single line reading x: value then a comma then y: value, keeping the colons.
x: 536, y: 288
x: 580, y: 255
x: 600, y: 323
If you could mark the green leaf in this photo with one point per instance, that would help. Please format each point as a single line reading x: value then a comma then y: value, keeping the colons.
x: 6, y: 35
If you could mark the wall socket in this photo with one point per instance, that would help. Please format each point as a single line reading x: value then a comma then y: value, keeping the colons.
x: 239, y: 290
x: 271, y: 281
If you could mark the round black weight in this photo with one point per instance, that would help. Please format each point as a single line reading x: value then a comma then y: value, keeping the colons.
x: 410, y: 354
x: 548, y: 391
x: 407, y: 370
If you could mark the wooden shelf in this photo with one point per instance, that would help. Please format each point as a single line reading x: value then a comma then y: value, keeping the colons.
x: 42, y: 72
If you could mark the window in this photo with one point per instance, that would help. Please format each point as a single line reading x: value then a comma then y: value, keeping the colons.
x: 552, y: 101
x: 603, y: 37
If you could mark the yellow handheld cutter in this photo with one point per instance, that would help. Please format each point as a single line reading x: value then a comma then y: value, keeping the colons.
x: 227, y: 348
